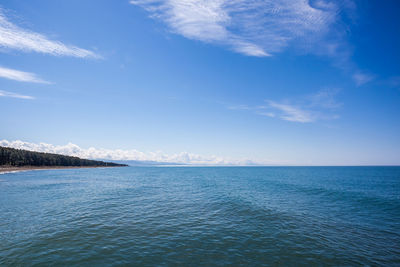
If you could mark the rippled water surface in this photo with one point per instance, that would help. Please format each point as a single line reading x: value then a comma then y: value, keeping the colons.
x: 193, y: 216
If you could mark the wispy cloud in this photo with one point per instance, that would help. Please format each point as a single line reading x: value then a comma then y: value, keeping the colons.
x: 240, y: 107
x: 254, y: 28
x: 119, y: 154
x: 14, y: 37
x: 14, y: 95
x: 291, y: 113
x: 20, y: 76
x: 265, y: 27
x: 361, y: 78
x: 393, y: 82
x: 321, y: 105
x: 325, y: 98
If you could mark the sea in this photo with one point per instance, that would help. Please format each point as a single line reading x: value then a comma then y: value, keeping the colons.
x: 201, y: 216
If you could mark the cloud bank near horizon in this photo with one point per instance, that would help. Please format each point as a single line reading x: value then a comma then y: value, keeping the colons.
x: 119, y: 154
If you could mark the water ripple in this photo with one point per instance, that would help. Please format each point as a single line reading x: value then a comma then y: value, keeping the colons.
x: 201, y: 217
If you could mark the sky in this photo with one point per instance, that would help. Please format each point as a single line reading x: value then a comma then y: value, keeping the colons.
x: 215, y: 82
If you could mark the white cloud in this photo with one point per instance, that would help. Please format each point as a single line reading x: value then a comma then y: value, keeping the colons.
x: 362, y: 78
x: 239, y: 107
x: 14, y: 37
x: 250, y: 27
x: 267, y: 114
x: 119, y: 154
x: 318, y: 106
x: 264, y: 27
x: 325, y: 98
x: 292, y: 113
x: 393, y: 81
x: 20, y: 76
x: 14, y: 95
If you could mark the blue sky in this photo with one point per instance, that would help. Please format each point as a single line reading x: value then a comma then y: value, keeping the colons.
x: 289, y: 82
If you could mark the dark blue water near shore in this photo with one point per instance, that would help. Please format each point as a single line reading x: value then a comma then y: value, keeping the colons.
x: 194, y: 216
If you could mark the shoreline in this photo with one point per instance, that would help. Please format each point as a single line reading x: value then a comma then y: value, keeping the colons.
x: 12, y: 169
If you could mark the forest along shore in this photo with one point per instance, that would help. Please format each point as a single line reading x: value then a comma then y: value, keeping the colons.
x: 12, y: 160
x: 11, y: 169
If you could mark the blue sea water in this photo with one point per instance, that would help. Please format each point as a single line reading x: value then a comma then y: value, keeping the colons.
x: 201, y: 216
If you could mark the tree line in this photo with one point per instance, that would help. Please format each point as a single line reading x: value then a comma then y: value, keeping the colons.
x: 19, y: 157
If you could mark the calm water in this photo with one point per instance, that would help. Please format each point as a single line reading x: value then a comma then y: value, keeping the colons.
x: 175, y: 216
